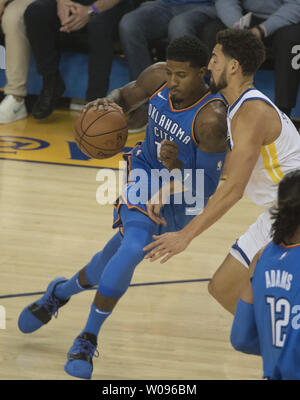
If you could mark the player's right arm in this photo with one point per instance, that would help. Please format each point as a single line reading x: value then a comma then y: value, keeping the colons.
x: 244, y: 335
x: 249, y: 135
x: 135, y: 93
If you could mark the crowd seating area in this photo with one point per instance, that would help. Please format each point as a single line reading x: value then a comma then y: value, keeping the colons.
x: 74, y: 61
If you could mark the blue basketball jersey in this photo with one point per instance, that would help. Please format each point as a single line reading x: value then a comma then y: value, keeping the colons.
x: 276, y: 288
x: 166, y: 122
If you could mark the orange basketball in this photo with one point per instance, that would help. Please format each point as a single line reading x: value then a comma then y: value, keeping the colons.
x: 101, y: 134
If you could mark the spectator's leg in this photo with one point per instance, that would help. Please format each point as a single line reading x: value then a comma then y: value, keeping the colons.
x: 17, y: 53
x: 17, y: 50
x: 287, y: 78
x: 42, y: 25
x: 138, y: 27
x: 191, y: 22
x: 101, y: 33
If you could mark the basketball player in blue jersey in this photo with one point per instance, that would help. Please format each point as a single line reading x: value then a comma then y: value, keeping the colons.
x: 186, y: 130
x: 265, y: 145
x: 267, y: 316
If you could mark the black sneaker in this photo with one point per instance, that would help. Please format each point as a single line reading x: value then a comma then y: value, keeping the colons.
x: 53, y: 88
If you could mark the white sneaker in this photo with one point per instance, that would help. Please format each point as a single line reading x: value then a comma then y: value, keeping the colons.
x: 12, y: 110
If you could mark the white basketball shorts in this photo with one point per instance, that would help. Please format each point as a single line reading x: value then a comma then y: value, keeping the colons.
x: 256, y: 237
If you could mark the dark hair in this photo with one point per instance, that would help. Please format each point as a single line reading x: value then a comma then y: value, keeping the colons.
x: 286, y: 214
x: 188, y: 48
x: 243, y: 46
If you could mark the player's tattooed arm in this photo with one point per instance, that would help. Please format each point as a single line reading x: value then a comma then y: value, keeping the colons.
x: 138, y: 92
x: 135, y: 93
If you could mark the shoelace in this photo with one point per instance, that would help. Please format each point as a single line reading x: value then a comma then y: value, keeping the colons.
x: 51, y: 305
x: 86, y: 347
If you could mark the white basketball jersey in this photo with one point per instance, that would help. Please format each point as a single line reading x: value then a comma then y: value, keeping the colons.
x: 275, y: 160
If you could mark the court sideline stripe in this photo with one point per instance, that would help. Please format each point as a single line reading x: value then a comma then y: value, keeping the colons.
x: 8, y: 296
x: 57, y: 163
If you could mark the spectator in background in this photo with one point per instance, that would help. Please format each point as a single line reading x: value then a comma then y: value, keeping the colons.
x: 277, y: 23
x: 154, y: 20
x: 46, y: 19
x: 12, y: 107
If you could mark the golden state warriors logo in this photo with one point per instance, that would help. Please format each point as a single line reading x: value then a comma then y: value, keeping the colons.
x: 14, y: 144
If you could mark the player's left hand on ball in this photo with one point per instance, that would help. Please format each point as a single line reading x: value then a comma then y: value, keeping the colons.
x: 102, y: 105
x: 166, y: 246
x: 168, y: 155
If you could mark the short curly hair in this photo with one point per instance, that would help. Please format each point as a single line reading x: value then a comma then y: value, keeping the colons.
x: 243, y: 46
x: 188, y: 48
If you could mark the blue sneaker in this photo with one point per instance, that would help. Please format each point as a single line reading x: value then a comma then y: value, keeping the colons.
x: 80, y: 356
x: 40, y: 313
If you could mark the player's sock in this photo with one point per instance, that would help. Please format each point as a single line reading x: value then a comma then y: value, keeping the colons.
x: 70, y: 287
x: 95, y: 320
x: 93, y: 271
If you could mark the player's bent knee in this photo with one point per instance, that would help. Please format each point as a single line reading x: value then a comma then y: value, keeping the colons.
x: 133, y: 251
x: 213, y: 289
x: 219, y: 291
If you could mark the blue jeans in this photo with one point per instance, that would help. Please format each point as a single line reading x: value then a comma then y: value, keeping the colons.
x: 155, y: 20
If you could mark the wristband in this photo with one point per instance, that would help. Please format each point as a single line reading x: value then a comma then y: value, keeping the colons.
x: 95, y: 9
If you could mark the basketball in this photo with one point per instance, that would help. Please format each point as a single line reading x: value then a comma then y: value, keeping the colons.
x: 101, y: 134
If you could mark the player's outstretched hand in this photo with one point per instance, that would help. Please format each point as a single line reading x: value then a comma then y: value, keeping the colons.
x: 166, y: 246
x: 168, y: 155
x: 101, y: 104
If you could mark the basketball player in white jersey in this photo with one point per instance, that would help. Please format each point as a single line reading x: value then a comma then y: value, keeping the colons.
x: 264, y: 144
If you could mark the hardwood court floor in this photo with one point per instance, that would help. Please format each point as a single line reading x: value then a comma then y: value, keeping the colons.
x: 51, y: 225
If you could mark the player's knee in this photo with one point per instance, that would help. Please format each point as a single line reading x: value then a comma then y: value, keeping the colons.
x: 225, y: 292
x: 210, y: 288
x: 137, y: 250
x: 133, y: 251
x: 215, y: 288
